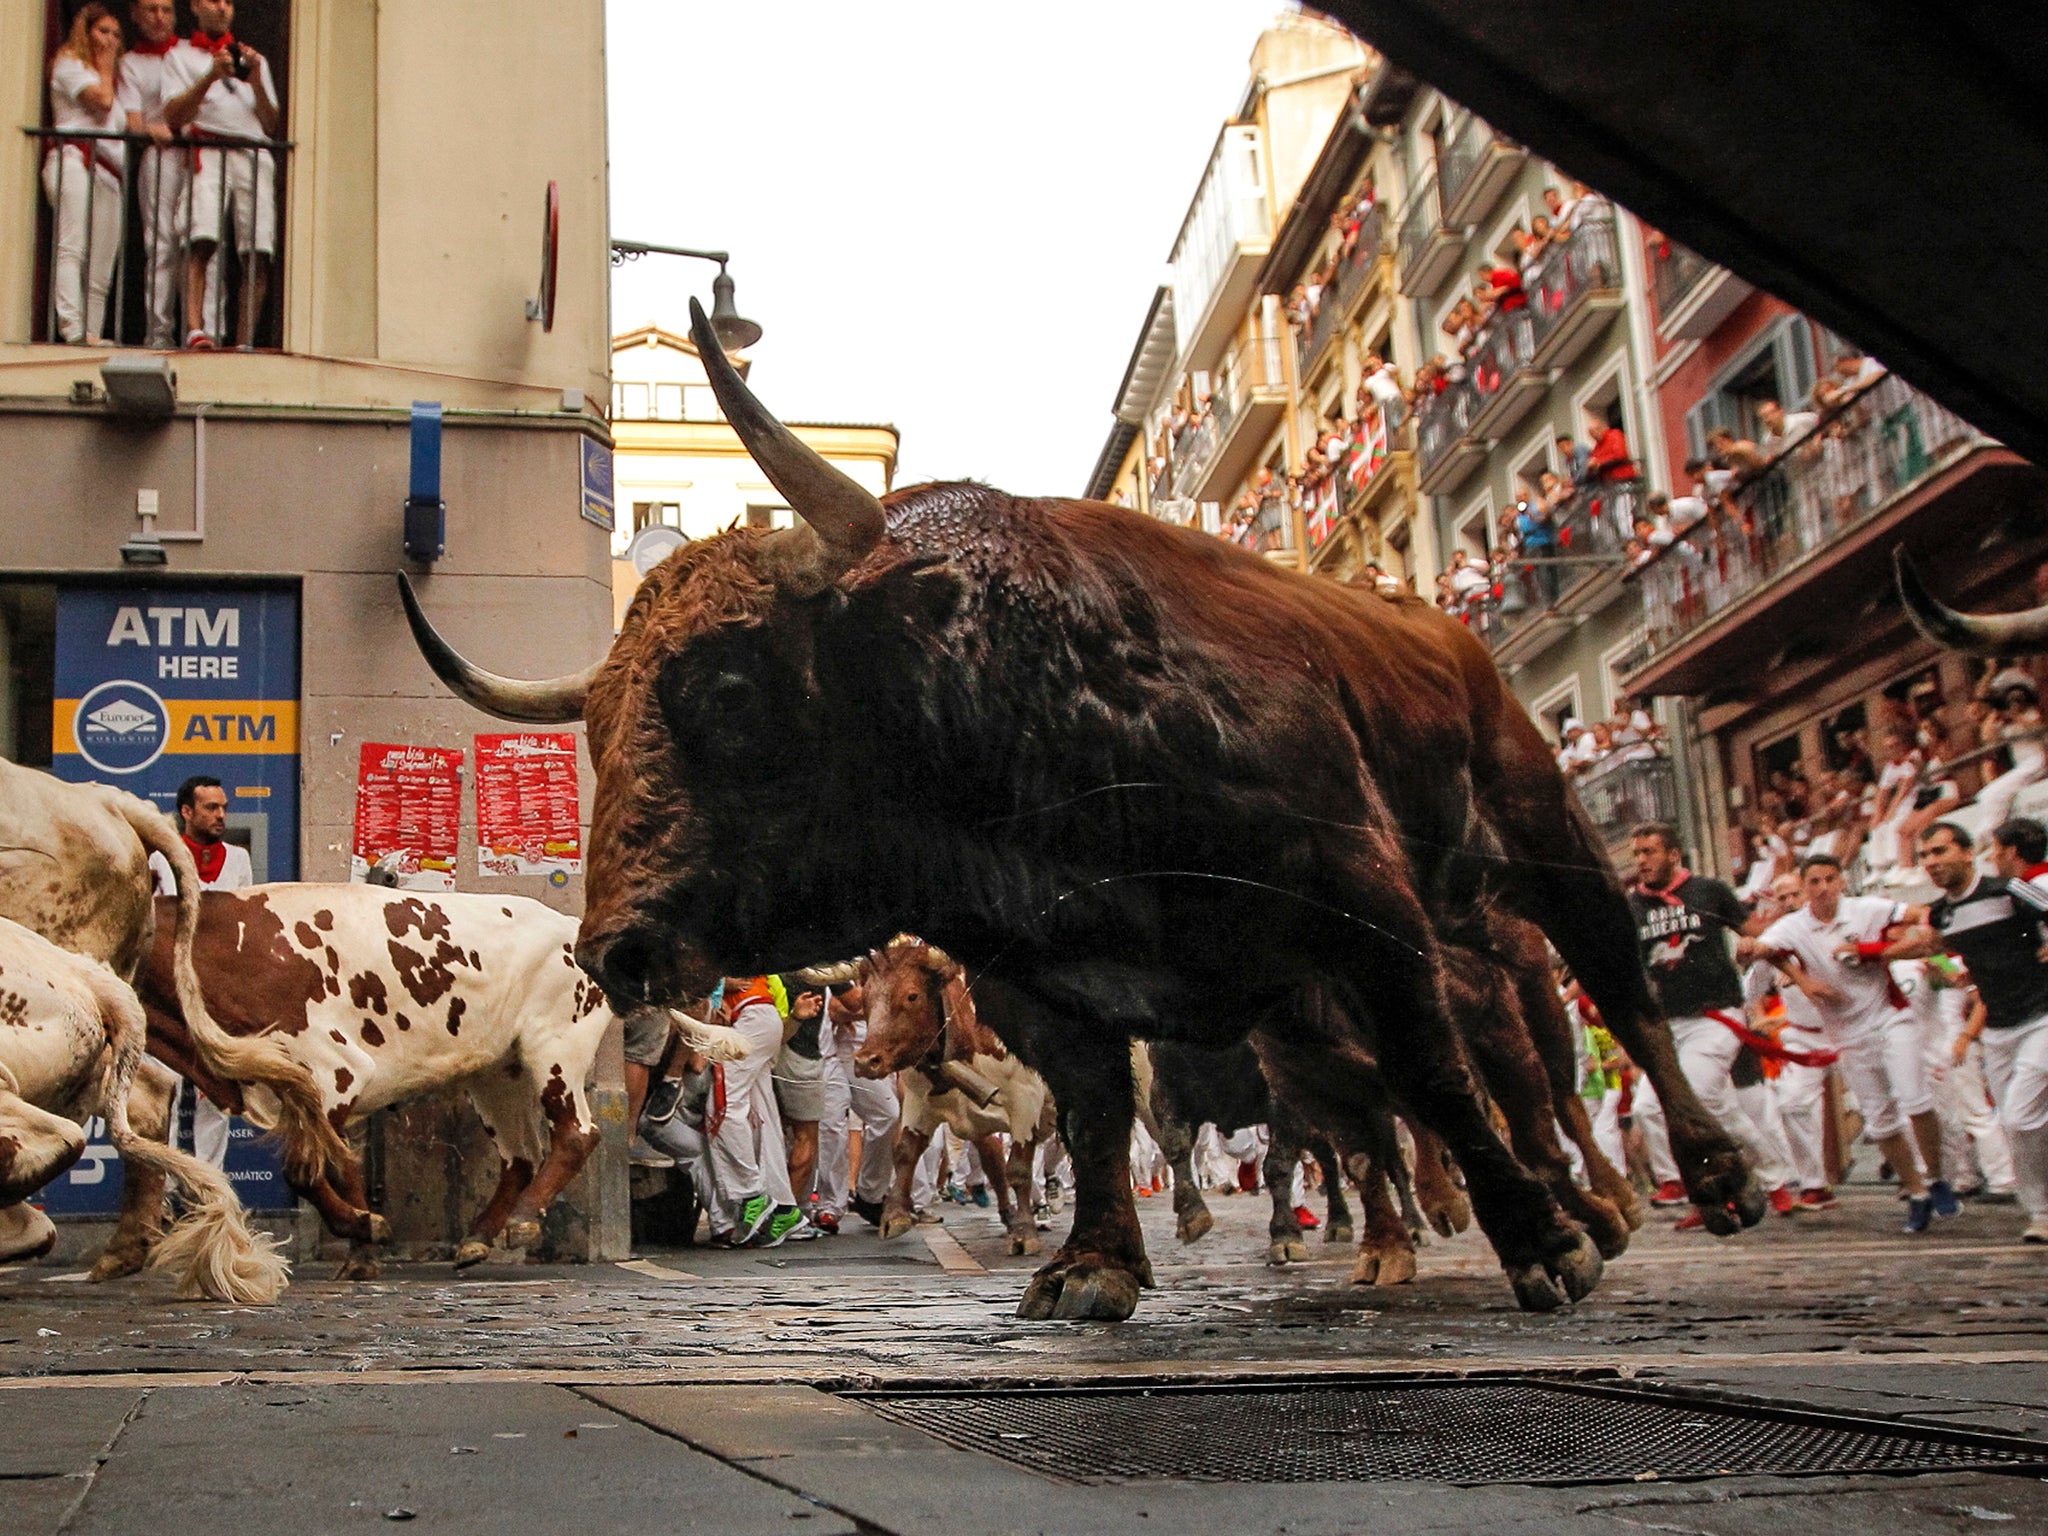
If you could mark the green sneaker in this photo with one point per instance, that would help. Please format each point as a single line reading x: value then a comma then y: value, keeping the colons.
x: 786, y: 1225
x: 754, y: 1215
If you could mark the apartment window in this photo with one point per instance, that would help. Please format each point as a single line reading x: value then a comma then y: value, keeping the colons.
x: 629, y: 402
x: 657, y: 514
x: 700, y: 404
x: 1778, y: 366
x: 119, y: 273
x: 668, y: 402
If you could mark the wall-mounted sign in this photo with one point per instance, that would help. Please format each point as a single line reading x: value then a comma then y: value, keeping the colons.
x: 598, y: 503
x: 408, y: 814
x: 527, y: 808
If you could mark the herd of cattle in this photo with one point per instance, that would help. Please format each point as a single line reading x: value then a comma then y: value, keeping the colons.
x: 1142, y: 784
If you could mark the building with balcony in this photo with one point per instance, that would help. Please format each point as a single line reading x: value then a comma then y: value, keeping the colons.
x: 258, y: 635
x: 676, y: 464
x: 1770, y: 625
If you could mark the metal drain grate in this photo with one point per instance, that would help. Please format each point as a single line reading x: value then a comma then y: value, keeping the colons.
x: 1466, y: 1431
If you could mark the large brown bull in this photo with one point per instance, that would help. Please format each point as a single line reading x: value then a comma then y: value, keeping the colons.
x: 1139, y: 781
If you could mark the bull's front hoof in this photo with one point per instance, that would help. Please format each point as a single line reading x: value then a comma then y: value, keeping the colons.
x: 1287, y: 1250
x: 1365, y: 1269
x: 1578, y: 1268
x: 1397, y: 1267
x: 1337, y: 1232
x: 896, y: 1223
x: 1717, y: 1176
x: 1606, y: 1225
x: 380, y: 1229
x: 1535, y: 1291
x: 474, y: 1251
x: 358, y: 1269
x: 521, y: 1233
x: 1194, y: 1225
x: 1752, y: 1203
x: 1025, y: 1244
x: 1080, y: 1291
x: 1450, y: 1215
x: 115, y: 1262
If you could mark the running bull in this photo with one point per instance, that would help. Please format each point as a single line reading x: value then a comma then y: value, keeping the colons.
x: 1138, y: 781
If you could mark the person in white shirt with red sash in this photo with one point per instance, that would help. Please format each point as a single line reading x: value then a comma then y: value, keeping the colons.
x: 1833, y: 949
x: 164, y: 169
x: 225, y: 93
x: 223, y: 866
x: 1804, y: 1059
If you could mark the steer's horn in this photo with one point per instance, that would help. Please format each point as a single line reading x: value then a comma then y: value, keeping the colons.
x: 1986, y: 634
x: 839, y: 521
x: 555, y: 701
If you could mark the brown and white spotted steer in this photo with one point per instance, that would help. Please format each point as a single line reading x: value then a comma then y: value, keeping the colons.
x: 387, y: 995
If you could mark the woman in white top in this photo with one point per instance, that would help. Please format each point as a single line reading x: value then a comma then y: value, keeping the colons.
x: 82, y: 177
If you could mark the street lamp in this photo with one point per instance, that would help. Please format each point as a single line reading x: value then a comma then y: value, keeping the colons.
x: 734, y: 333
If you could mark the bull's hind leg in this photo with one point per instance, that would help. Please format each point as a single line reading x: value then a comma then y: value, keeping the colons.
x: 899, y: 1212
x: 572, y: 1134
x: 142, y: 1187
x: 1337, y: 1219
x: 1386, y: 1248
x: 505, y: 1104
x: 1023, y: 1226
x: 1283, y: 1156
x: 1191, y: 1218
x: 1437, y: 1190
x: 1101, y: 1267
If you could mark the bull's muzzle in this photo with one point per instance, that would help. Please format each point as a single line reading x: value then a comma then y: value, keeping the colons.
x: 638, y: 967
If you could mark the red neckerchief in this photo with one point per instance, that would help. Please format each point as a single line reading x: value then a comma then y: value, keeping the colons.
x: 156, y: 50
x: 2034, y: 871
x: 211, y: 858
x: 212, y: 44
x: 1668, y: 894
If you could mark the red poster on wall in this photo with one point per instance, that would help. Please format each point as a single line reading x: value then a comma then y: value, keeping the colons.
x: 408, y: 814
x: 527, y: 808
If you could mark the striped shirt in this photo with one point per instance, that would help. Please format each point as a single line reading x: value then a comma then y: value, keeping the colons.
x: 1995, y: 928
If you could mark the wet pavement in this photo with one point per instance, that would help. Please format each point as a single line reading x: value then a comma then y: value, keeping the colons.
x: 693, y: 1389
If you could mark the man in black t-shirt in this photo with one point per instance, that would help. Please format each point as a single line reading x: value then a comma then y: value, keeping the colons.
x: 1997, y: 928
x: 1685, y: 923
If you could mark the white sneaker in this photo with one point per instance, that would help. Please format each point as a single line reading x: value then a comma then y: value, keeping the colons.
x: 2037, y: 1231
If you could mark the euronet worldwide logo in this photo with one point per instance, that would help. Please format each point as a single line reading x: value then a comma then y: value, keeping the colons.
x: 122, y: 727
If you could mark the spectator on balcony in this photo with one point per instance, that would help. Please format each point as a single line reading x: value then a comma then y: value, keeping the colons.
x: 1504, y: 291
x: 1607, y: 457
x: 225, y: 92
x: 1563, y: 210
x: 1383, y: 386
x: 1649, y: 537
x: 82, y: 177
x: 1737, y: 454
x: 1575, y: 755
x: 1636, y: 731
x: 1470, y: 583
x: 1853, y: 371
x: 1781, y: 428
x: 163, y: 172
x: 2016, y: 721
x: 1528, y: 256
x: 1571, y: 458
x: 1692, y: 507
x: 1542, y: 232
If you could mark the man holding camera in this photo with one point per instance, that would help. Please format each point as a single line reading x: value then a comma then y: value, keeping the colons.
x: 220, y: 94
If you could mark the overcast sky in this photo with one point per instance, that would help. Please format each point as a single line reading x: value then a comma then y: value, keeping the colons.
x: 945, y: 216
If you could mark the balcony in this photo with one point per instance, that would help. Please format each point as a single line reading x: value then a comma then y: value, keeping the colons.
x: 104, y: 292
x: 1428, y: 250
x: 1576, y: 288
x: 1195, y: 445
x: 1622, y: 792
x: 1540, y: 598
x: 1807, y: 533
x: 1353, y: 277
x: 1477, y: 167
x: 1693, y: 295
x: 1216, y: 256
x: 1251, y: 398
x: 1444, y: 446
x: 1505, y: 384
x: 1267, y: 531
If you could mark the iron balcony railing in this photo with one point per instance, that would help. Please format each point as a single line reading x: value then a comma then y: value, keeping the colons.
x: 1862, y: 454
x: 1675, y: 271
x: 1195, y: 443
x: 1462, y: 156
x: 1273, y: 528
x: 1352, y: 274
x: 120, y: 217
x: 1440, y: 420
x: 1625, y: 790
x: 1587, y: 260
x: 1586, y: 538
x: 1502, y: 349
x: 1419, y: 222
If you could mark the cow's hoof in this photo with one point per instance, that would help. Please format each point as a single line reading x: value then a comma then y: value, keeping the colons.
x: 1719, y: 1177
x: 357, y: 1269
x: 474, y: 1251
x: 522, y: 1233
x: 1079, y: 1291
x: 1287, y: 1250
x: 1535, y: 1291
x: 1365, y: 1269
x: 114, y: 1263
x: 1397, y: 1267
x: 1194, y: 1226
x: 1578, y: 1268
x: 1336, y: 1232
x: 1451, y: 1215
x: 1752, y: 1203
x: 380, y: 1229
x: 1606, y: 1226
x: 896, y: 1223
x: 1025, y: 1244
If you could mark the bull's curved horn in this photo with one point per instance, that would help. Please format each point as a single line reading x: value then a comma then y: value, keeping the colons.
x: 1985, y: 634
x: 839, y: 521
x: 555, y: 701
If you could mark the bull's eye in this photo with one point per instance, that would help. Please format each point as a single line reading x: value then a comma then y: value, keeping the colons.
x: 731, y: 695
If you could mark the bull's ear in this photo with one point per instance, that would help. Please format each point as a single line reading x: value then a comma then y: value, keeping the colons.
x: 923, y: 592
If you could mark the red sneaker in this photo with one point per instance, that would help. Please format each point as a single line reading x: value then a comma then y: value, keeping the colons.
x: 1781, y: 1200
x: 1305, y: 1218
x: 1670, y: 1192
x: 826, y: 1223
x: 1691, y: 1221
x: 1822, y: 1199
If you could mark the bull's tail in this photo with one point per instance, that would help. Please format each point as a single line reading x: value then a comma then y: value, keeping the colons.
x: 212, y: 1246
x: 311, y: 1145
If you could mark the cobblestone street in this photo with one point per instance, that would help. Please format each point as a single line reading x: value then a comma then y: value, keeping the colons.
x: 350, y: 1402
